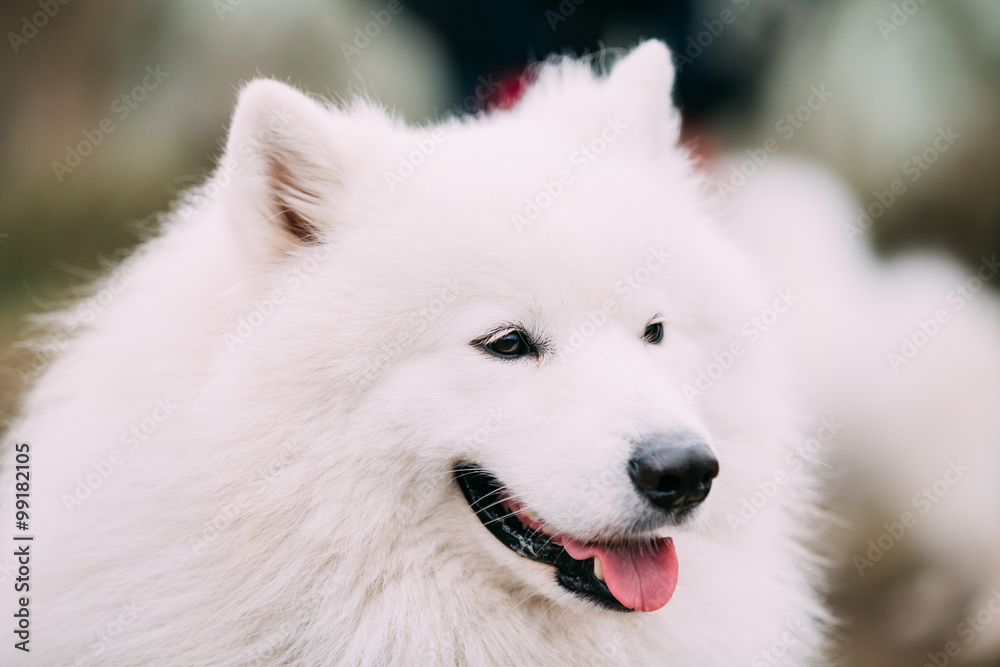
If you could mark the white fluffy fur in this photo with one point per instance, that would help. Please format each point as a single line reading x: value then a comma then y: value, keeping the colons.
x: 351, y: 544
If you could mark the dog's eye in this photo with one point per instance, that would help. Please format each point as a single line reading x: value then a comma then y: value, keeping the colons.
x: 653, y: 333
x: 510, y: 346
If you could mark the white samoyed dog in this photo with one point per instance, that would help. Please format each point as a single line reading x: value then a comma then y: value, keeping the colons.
x: 478, y: 393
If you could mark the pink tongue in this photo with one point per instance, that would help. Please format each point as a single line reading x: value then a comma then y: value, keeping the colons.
x: 641, y: 577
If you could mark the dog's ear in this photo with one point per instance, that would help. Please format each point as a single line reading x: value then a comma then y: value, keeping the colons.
x: 281, y: 152
x: 644, y: 80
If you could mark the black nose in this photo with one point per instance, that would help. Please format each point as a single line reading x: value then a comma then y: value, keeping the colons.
x: 674, y: 471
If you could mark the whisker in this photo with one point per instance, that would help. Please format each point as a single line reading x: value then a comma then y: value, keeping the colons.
x: 737, y: 437
x: 822, y: 463
x: 738, y: 480
x: 499, y: 502
x: 499, y: 518
x: 726, y: 448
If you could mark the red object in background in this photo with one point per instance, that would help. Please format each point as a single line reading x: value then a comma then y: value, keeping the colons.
x: 509, y: 91
x: 703, y: 144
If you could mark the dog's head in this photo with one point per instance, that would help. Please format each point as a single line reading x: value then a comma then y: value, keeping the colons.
x: 511, y: 317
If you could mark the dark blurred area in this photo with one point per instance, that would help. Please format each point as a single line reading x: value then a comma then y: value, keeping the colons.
x: 500, y: 38
x: 109, y: 110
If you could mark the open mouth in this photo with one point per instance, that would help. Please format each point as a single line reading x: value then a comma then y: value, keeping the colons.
x: 638, y: 575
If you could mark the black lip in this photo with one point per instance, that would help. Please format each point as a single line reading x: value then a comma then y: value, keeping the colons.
x: 483, y: 492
